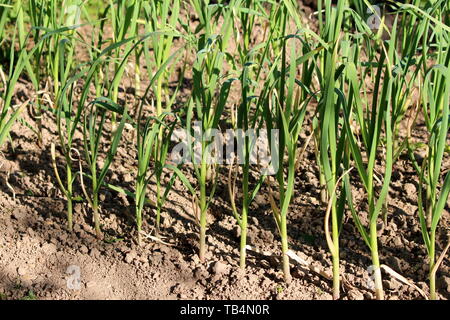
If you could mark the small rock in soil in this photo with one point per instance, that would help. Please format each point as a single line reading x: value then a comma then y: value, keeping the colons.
x: 127, y: 178
x: 297, y: 273
x: 368, y: 296
x: 77, y: 208
x: 397, y: 241
x: 176, y: 289
x: 410, y: 190
x: 237, y: 232
x: 219, y: 268
x: 22, y: 271
x: 62, y: 237
x: 130, y: 256
x: 208, y: 254
x: 266, y: 235
x: 165, y: 249
x: 394, y: 263
x: 18, y: 213
x: 94, y: 253
x: 443, y: 283
x: 199, y: 273
x: 49, y: 248
x: 252, y: 278
x: 391, y: 284
x: 84, y: 249
x: 30, y: 232
x: 260, y: 200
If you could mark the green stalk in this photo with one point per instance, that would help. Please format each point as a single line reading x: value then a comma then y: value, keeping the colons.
x: 331, y: 139
x: 93, y: 131
x: 286, y: 115
x: 379, y: 293
x: 95, y: 201
x: 206, y: 105
x: 203, y: 206
x: 69, y: 198
x: 432, y: 260
x: 435, y: 103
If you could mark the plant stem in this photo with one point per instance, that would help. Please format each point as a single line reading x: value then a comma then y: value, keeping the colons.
x: 432, y: 263
x: 285, y: 248
x: 96, y: 217
x: 138, y: 214
x: 158, y: 220
x: 336, y: 263
x: 139, y: 226
x: 336, y: 277
x: 245, y: 205
x: 379, y: 293
x: 203, y: 208
x: 69, y: 199
x: 159, y: 97
x: 243, y: 252
x: 158, y: 209
x: 433, y: 286
x: 323, y: 187
x: 95, y: 204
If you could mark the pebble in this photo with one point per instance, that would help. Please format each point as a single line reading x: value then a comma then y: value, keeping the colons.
x: 195, y: 259
x: 395, y: 263
x: 77, y: 208
x: 397, y: 241
x: 130, y: 256
x: 237, y: 231
x: 94, y: 253
x: 127, y: 178
x: 444, y: 283
x: 368, y: 296
x: 30, y: 232
x: 219, y: 268
x: 260, y: 200
x: 252, y: 278
x: 410, y: 190
x: 22, y: 271
x: 199, y: 273
x: 18, y: 213
x: 391, y: 284
x: 84, y: 249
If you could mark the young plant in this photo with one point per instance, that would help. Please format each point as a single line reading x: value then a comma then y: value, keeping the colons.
x: 124, y: 17
x: 284, y: 110
x: 9, y: 114
x: 161, y: 16
x: 247, y: 123
x: 378, y: 120
x: 68, y: 117
x: 435, y: 102
x: 331, y: 140
x: 149, y: 147
x: 95, y: 117
x: 9, y: 78
x: 246, y: 138
x: 206, y: 106
x: 153, y: 140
